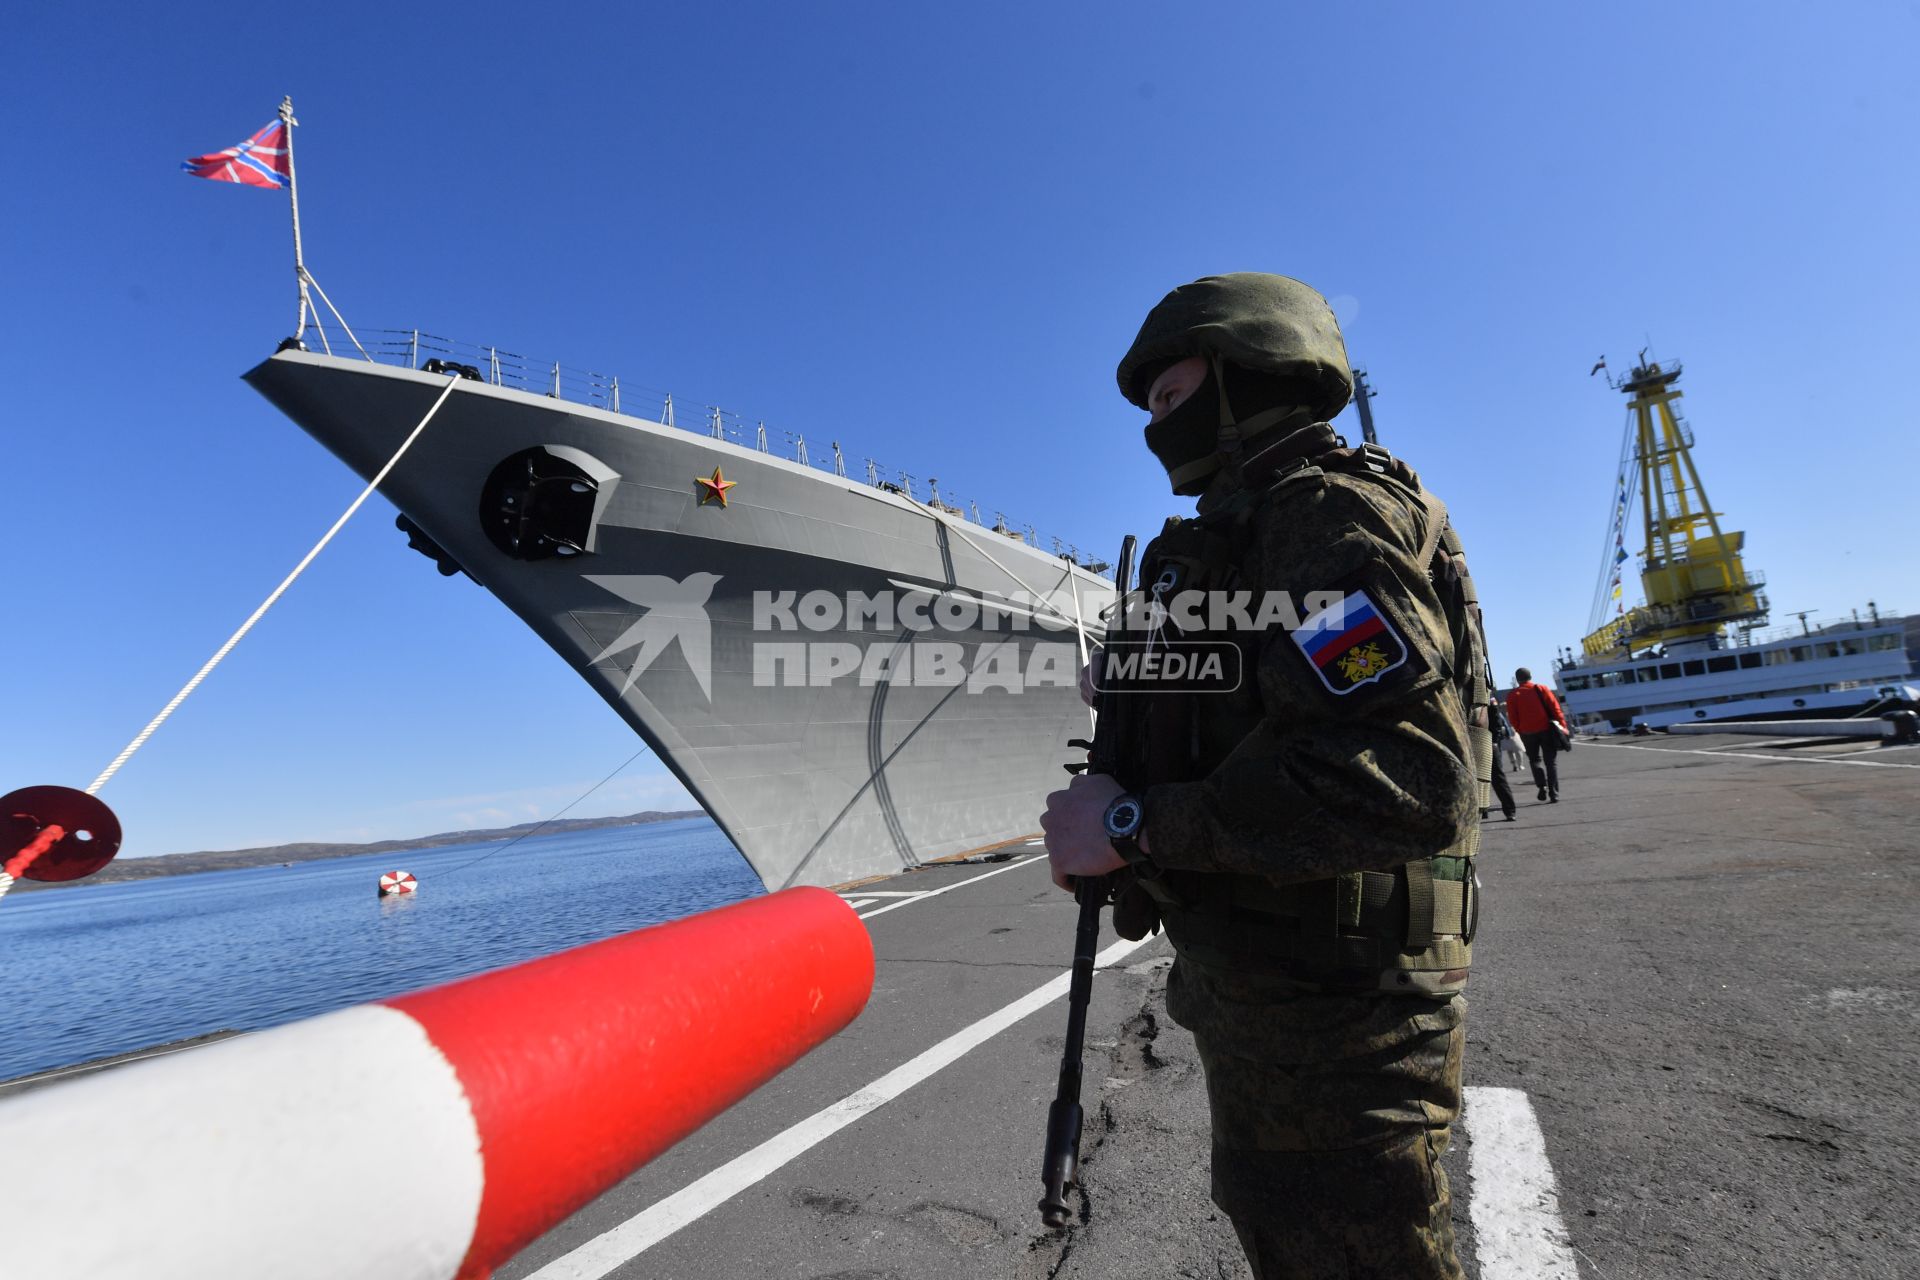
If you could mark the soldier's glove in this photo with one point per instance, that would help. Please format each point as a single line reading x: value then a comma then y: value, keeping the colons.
x: 1135, y: 913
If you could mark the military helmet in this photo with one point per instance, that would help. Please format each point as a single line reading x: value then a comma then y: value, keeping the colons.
x: 1266, y: 323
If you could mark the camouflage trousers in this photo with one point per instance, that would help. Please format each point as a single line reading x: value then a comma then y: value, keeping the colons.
x: 1330, y: 1115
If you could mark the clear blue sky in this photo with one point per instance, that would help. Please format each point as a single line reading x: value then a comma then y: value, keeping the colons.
x: 929, y: 233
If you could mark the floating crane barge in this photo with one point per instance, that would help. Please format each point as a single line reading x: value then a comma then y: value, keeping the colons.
x: 1694, y: 652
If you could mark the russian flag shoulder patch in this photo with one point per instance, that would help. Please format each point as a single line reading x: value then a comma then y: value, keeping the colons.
x: 1351, y: 643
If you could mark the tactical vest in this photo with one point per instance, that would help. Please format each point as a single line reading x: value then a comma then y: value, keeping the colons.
x: 1409, y: 929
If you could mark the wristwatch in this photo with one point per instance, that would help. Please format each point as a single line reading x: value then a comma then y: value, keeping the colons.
x: 1125, y: 818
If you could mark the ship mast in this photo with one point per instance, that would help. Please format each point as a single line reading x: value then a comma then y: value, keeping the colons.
x: 299, y: 255
x: 1690, y: 568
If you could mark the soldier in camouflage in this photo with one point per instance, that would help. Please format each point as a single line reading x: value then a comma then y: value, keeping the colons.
x: 1306, y: 839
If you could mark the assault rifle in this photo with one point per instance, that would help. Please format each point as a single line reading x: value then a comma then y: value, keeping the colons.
x: 1060, y: 1167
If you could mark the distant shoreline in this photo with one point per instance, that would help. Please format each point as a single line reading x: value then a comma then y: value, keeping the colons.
x: 186, y: 864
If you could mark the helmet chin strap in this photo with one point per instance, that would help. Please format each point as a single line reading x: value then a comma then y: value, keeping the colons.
x: 1231, y: 444
x: 1231, y: 440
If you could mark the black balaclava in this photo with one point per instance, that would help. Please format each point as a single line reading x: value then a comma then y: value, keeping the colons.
x: 1187, y: 441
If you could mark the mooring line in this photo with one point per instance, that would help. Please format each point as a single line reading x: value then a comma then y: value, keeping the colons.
x: 234, y: 639
x: 552, y: 817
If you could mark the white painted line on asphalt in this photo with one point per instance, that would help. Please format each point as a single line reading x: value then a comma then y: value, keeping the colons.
x: 934, y: 893
x: 1723, y: 754
x: 1879, y: 747
x: 1834, y: 747
x: 1517, y: 1228
x: 602, y: 1254
x: 1756, y: 746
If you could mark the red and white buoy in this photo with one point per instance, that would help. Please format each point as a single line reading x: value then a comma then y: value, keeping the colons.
x: 397, y: 882
x: 527, y: 1092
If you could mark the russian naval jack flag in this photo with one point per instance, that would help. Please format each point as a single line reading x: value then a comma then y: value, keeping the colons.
x: 1350, y: 643
x: 261, y: 161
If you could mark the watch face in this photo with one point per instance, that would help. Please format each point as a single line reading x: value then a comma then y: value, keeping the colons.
x: 1123, y: 816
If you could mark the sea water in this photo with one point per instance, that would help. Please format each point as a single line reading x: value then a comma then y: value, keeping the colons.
x: 92, y: 970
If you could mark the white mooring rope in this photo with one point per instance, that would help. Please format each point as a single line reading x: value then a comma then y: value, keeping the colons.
x: 247, y: 626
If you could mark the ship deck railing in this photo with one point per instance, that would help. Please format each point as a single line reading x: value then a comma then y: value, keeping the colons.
x: 499, y: 367
x: 1875, y: 617
x: 1818, y: 630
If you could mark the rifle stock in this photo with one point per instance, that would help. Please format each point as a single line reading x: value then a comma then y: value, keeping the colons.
x: 1060, y: 1166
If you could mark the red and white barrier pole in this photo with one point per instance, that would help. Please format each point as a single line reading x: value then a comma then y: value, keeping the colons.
x: 433, y: 1135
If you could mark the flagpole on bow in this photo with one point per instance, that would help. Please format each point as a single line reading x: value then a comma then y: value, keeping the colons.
x: 293, y: 188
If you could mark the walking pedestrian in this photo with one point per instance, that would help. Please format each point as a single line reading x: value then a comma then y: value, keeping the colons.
x: 1536, y: 713
x: 1504, y: 741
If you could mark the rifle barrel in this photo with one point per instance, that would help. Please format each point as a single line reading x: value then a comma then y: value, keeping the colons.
x: 1060, y: 1166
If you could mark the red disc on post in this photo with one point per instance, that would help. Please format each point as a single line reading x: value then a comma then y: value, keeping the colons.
x: 92, y: 833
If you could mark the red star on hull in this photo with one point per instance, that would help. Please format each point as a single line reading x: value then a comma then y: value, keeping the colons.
x: 714, y: 489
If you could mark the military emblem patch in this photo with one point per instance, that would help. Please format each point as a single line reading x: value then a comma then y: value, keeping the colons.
x: 1350, y: 643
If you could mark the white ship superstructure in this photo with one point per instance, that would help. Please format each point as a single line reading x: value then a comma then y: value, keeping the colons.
x: 1840, y: 668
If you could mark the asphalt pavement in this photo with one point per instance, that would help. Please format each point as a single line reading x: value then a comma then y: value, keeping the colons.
x: 1697, y: 972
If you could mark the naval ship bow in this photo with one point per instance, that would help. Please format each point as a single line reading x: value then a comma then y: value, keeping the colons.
x: 849, y: 680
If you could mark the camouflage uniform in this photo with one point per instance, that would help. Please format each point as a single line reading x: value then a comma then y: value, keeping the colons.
x: 1310, y: 844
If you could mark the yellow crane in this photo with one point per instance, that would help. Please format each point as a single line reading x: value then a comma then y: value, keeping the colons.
x: 1690, y: 568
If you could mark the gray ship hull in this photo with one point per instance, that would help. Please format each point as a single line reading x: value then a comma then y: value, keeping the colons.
x: 946, y: 737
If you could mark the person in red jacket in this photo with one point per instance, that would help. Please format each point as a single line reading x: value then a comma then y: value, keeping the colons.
x: 1535, y: 714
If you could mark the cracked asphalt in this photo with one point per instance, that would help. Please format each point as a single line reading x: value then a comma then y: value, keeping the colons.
x: 1700, y: 966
